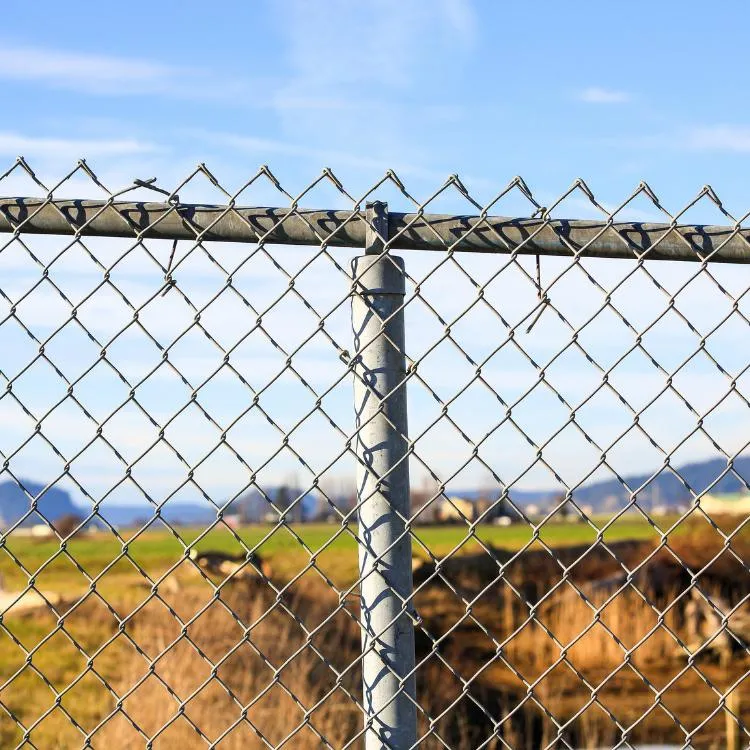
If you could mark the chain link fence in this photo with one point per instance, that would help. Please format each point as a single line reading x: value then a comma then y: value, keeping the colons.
x: 218, y: 529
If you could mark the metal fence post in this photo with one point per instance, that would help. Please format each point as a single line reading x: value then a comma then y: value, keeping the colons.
x: 383, y: 491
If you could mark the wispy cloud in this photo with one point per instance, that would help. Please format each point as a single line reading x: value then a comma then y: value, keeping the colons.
x: 111, y: 75
x: 318, y: 157
x: 375, y: 80
x: 83, y: 71
x: 388, y: 53
x: 598, y: 95
x: 460, y: 16
x: 718, y: 138
x: 14, y: 144
x: 265, y: 146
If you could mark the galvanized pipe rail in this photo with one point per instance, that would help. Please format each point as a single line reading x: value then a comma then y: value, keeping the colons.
x: 406, y: 231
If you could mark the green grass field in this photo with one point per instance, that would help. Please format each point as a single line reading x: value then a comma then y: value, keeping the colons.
x: 288, y: 551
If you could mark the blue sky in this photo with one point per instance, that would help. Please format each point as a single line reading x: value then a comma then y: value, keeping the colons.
x: 613, y: 93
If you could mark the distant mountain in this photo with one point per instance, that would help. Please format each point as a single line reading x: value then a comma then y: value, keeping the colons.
x: 609, y: 495
x: 123, y: 515
x: 666, y: 489
x: 251, y: 507
x: 519, y: 497
x: 14, y: 503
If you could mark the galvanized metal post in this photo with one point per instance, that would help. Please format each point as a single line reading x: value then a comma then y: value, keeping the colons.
x: 383, y: 491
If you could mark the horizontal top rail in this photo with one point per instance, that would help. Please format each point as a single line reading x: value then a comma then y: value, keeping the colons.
x: 409, y: 231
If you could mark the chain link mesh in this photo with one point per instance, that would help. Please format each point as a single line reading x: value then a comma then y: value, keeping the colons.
x: 194, y: 398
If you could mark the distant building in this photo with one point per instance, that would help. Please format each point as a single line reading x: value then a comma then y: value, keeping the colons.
x: 489, y: 509
x: 612, y: 503
x: 454, y: 509
x: 37, y: 531
x: 737, y: 504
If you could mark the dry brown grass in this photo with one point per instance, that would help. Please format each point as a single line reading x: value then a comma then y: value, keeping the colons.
x: 213, y: 699
x: 302, y: 701
x: 619, y: 647
x: 599, y: 643
x: 202, y: 704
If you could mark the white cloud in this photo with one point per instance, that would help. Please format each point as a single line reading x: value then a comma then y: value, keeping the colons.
x: 598, y: 95
x: 83, y: 71
x: 370, y: 47
x: 375, y: 80
x: 13, y: 144
x: 319, y: 156
x: 721, y: 137
x: 115, y: 157
x: 461, y: 18
x: 718, y: 138
x: 113, y: 75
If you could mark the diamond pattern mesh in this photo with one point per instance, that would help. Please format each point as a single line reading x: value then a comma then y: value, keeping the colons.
x: 181, y: 368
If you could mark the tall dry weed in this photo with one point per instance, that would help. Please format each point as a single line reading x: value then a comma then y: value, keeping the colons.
x: 275, y: 684
x: 195, y: 693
